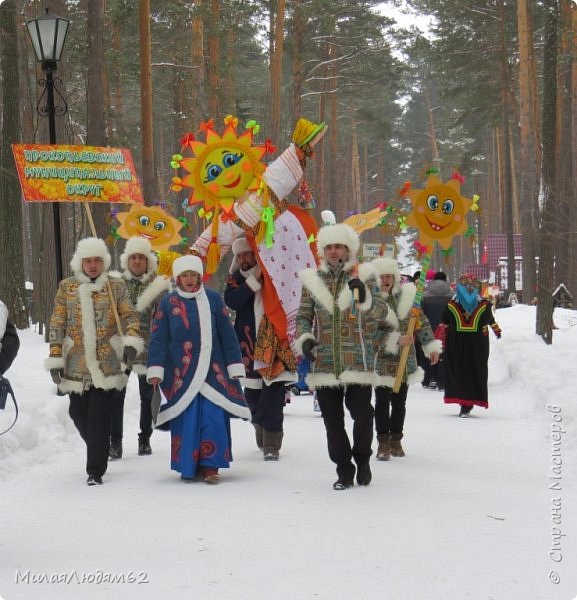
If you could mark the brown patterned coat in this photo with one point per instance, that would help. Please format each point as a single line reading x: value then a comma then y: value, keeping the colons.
x: 83, y: 336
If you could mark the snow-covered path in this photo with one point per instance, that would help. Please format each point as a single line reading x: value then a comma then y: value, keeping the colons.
x: 466, y: 514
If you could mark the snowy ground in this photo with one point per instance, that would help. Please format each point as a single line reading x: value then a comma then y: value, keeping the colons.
x: 483, y: 508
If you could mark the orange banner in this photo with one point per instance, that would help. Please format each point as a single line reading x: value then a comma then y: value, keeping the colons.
x: 62, y: 173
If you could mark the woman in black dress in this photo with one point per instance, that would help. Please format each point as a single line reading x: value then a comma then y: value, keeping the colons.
x: 467, y: 318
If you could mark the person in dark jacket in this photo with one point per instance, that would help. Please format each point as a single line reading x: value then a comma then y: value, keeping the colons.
x: 145, y: 288
x: 435, y: 299
x: 9, y: 341
x: 265, y: 397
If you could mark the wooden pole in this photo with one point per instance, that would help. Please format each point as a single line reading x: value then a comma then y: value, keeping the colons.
x: 404, y: 355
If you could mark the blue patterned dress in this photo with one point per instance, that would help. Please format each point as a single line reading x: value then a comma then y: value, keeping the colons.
x: 194, y: 350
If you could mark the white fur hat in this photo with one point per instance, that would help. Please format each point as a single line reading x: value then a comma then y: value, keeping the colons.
x: 387, y: 266
x: 88, y: 248
x: 139, y: 245
x: 338, y: 234
x: 239, y: 245
x: 187, y: 263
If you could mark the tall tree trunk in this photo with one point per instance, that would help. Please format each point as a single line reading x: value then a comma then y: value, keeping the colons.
x: 149, y: 180
x: 198, y: 99
x: 530, y: 158
x: 214, y: 60
x: 12, y: 264
x: 355, y: 170
x: 298, y: 65
x: 229, y: 98
x: 564, y: 159
x: 276, y: 69
x: 432, y: 131
x: 506, y: 146
x: 95, y: 105
x: 544, y: 324
x: 572, y: 217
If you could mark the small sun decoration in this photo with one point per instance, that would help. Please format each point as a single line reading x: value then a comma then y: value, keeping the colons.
x: 439, y: 210
x: 223, y: 167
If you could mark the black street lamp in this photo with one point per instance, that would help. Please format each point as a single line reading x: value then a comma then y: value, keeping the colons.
x: 48, y: 34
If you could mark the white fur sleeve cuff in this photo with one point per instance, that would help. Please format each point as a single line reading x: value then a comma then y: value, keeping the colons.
x: 155, y: 372
x: 301, y: 340
x: 433, y: 346
x: 54, y: 362
x: 236, y: 370
x: 134, y: 341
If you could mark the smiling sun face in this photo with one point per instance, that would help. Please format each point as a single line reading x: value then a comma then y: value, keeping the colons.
x: 223, y: 168
x: 439, y: 211
x: 151, y: 223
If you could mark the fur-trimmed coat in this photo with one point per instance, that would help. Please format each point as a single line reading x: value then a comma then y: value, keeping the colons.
x: 145, y: 292
x: 345, y: 352
x: 387, y: 351
x: 243, y: 295
x: 84, y: 339
x: 194, y: 350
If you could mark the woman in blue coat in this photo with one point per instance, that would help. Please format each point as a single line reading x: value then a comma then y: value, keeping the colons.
x: 194, y: 356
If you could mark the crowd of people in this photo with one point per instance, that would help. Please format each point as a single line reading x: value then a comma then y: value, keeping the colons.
x: 358, y: 325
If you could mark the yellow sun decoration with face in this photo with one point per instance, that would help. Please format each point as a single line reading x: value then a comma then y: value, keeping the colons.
x: 151, y: 223
x: 223, y: 168
x: 438, y: 211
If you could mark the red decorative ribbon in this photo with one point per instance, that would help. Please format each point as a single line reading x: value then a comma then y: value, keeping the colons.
x: 207, y: 126
x: 421, y: 248
x: 186, y: 139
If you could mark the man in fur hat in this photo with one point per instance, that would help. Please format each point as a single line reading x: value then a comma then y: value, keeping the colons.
x: 390, y: 406
x: 88, y: 355
x: 265, y: 397
x: 342, y: 366
x: 139, y: 263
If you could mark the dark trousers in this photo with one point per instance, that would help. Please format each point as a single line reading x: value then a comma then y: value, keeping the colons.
x: 357, y: 399
x: 267, y: 405
x: 390, y: 410
x: 117, y: 411
x: 435, y: 372
x: 90, y: 412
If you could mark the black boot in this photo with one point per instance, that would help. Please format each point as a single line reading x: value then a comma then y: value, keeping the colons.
x: 346, y: 478
x: 115, y: 451
x: 144, y: 448
x: 364, y: 474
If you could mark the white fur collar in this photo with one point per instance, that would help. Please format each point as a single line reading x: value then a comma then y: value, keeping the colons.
x: 317, y: 288
x: 93, y: 286
x: 404, y: 300
x: 144, y: 278
x: 159, y: 286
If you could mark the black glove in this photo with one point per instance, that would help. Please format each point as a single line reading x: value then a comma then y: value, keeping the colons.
x: 357, y: 284
x: 128, y: 356
x: 308, y: 346
x: 57, y: 375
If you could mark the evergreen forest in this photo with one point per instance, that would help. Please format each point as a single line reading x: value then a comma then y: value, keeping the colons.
x: 483, y: 88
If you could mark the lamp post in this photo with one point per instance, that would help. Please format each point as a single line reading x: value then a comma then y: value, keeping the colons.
x: 48, y: 34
